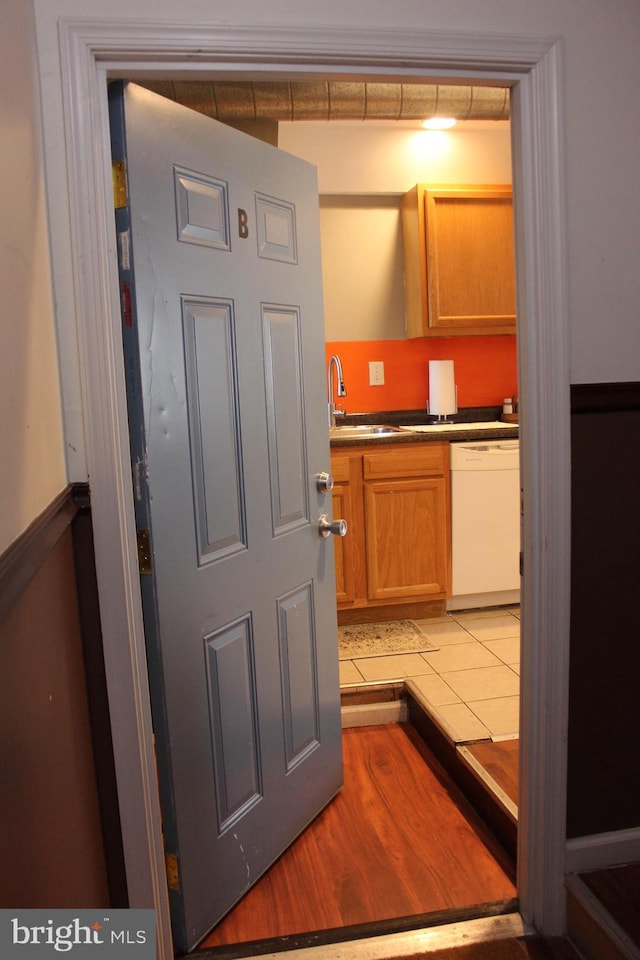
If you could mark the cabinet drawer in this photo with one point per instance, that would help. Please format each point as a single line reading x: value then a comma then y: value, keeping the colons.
x: 422, y: 460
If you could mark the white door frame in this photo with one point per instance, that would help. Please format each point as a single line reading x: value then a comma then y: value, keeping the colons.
x: 92, y: 51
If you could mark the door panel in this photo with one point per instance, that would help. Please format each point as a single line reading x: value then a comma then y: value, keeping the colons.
x: 233, y: 720
x: 298, y: 652
x: 202, y: 209
x: 212, y: 397
x: 285, y: 418
x: 224, y: 351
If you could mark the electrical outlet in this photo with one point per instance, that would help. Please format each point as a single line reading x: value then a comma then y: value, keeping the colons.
x: 376, y: 373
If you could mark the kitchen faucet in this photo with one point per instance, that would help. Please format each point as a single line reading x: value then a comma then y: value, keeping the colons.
x: 340, y: 391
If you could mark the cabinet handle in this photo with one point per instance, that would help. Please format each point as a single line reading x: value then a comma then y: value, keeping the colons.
x: 336, y: 528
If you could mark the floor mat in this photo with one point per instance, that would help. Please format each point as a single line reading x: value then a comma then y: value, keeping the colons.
x: 382, y: 639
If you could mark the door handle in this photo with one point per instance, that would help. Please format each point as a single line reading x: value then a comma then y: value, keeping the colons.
x: 336, y: 528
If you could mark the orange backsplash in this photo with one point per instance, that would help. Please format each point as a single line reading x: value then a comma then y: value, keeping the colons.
x: 485, y: 371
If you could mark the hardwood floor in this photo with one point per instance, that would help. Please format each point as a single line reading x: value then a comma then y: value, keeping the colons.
x: 500, y: 760
x: 399, y: 841
x: 618, y: 890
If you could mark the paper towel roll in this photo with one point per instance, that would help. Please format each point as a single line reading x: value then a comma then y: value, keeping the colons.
x: 442, y: 388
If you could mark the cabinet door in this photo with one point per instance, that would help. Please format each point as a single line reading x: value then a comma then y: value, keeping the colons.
x: 407, y: 506
x: 407, y: 523
x: 342, y: 505
x: 459, y: 261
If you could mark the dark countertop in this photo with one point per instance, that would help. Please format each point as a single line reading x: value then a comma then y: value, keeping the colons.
x: 469, y: 415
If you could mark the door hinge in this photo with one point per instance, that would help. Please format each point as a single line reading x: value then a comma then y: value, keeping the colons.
x: 173, y: 871
x: 119, y: 178
x: 144, y: 551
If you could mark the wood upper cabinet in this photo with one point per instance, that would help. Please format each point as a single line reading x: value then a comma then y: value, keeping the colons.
x: 459, y: 261
x: 396, y: 500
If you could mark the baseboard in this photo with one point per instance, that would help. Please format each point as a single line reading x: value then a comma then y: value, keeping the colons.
x: 407, y: 610
x: 477, y: 601
x: 602, y: 850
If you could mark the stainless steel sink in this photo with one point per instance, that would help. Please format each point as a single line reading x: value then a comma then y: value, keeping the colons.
x: 361, y: 431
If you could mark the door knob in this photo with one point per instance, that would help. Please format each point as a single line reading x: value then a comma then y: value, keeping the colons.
x: 324, y: 482
x: 336, y: 528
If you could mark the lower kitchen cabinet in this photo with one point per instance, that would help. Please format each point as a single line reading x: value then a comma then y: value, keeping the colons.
x: 397, y: 551
x: 342, y: 502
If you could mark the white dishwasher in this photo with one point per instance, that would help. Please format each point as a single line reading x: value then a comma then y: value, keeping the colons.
x: 485, y: 523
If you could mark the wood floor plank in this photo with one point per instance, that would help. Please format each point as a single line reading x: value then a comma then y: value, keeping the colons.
x: 500, y: 760
x: 398, y: 841
x: 618, y: 890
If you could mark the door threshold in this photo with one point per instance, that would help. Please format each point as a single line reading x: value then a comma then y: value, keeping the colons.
x: 387, y: 940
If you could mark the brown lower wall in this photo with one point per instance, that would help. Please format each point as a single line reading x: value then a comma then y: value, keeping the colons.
x: 604, y: 732
x: 52, y: 838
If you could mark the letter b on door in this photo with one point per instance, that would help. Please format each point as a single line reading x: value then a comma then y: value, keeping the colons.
x: 243, y: 223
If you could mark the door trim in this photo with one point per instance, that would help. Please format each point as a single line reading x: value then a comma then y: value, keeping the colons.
x: 85, y: 276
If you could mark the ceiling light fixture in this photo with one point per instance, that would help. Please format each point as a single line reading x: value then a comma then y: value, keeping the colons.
x: 439, y: 123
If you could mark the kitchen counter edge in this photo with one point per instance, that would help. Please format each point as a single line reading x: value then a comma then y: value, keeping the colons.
x: 507, y: 431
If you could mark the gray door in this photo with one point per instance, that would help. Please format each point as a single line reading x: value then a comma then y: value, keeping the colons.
x: 224, y: 345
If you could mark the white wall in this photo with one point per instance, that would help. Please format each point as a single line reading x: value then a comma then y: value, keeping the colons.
x: 32, y: 467
x: 362, y: 268
x: 602, y: 122
x: 384, y: 157
x: 601, y: 72
x: 363, y: 171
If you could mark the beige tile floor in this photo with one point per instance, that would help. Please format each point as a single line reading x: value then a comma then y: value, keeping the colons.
x: 471, y: 684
